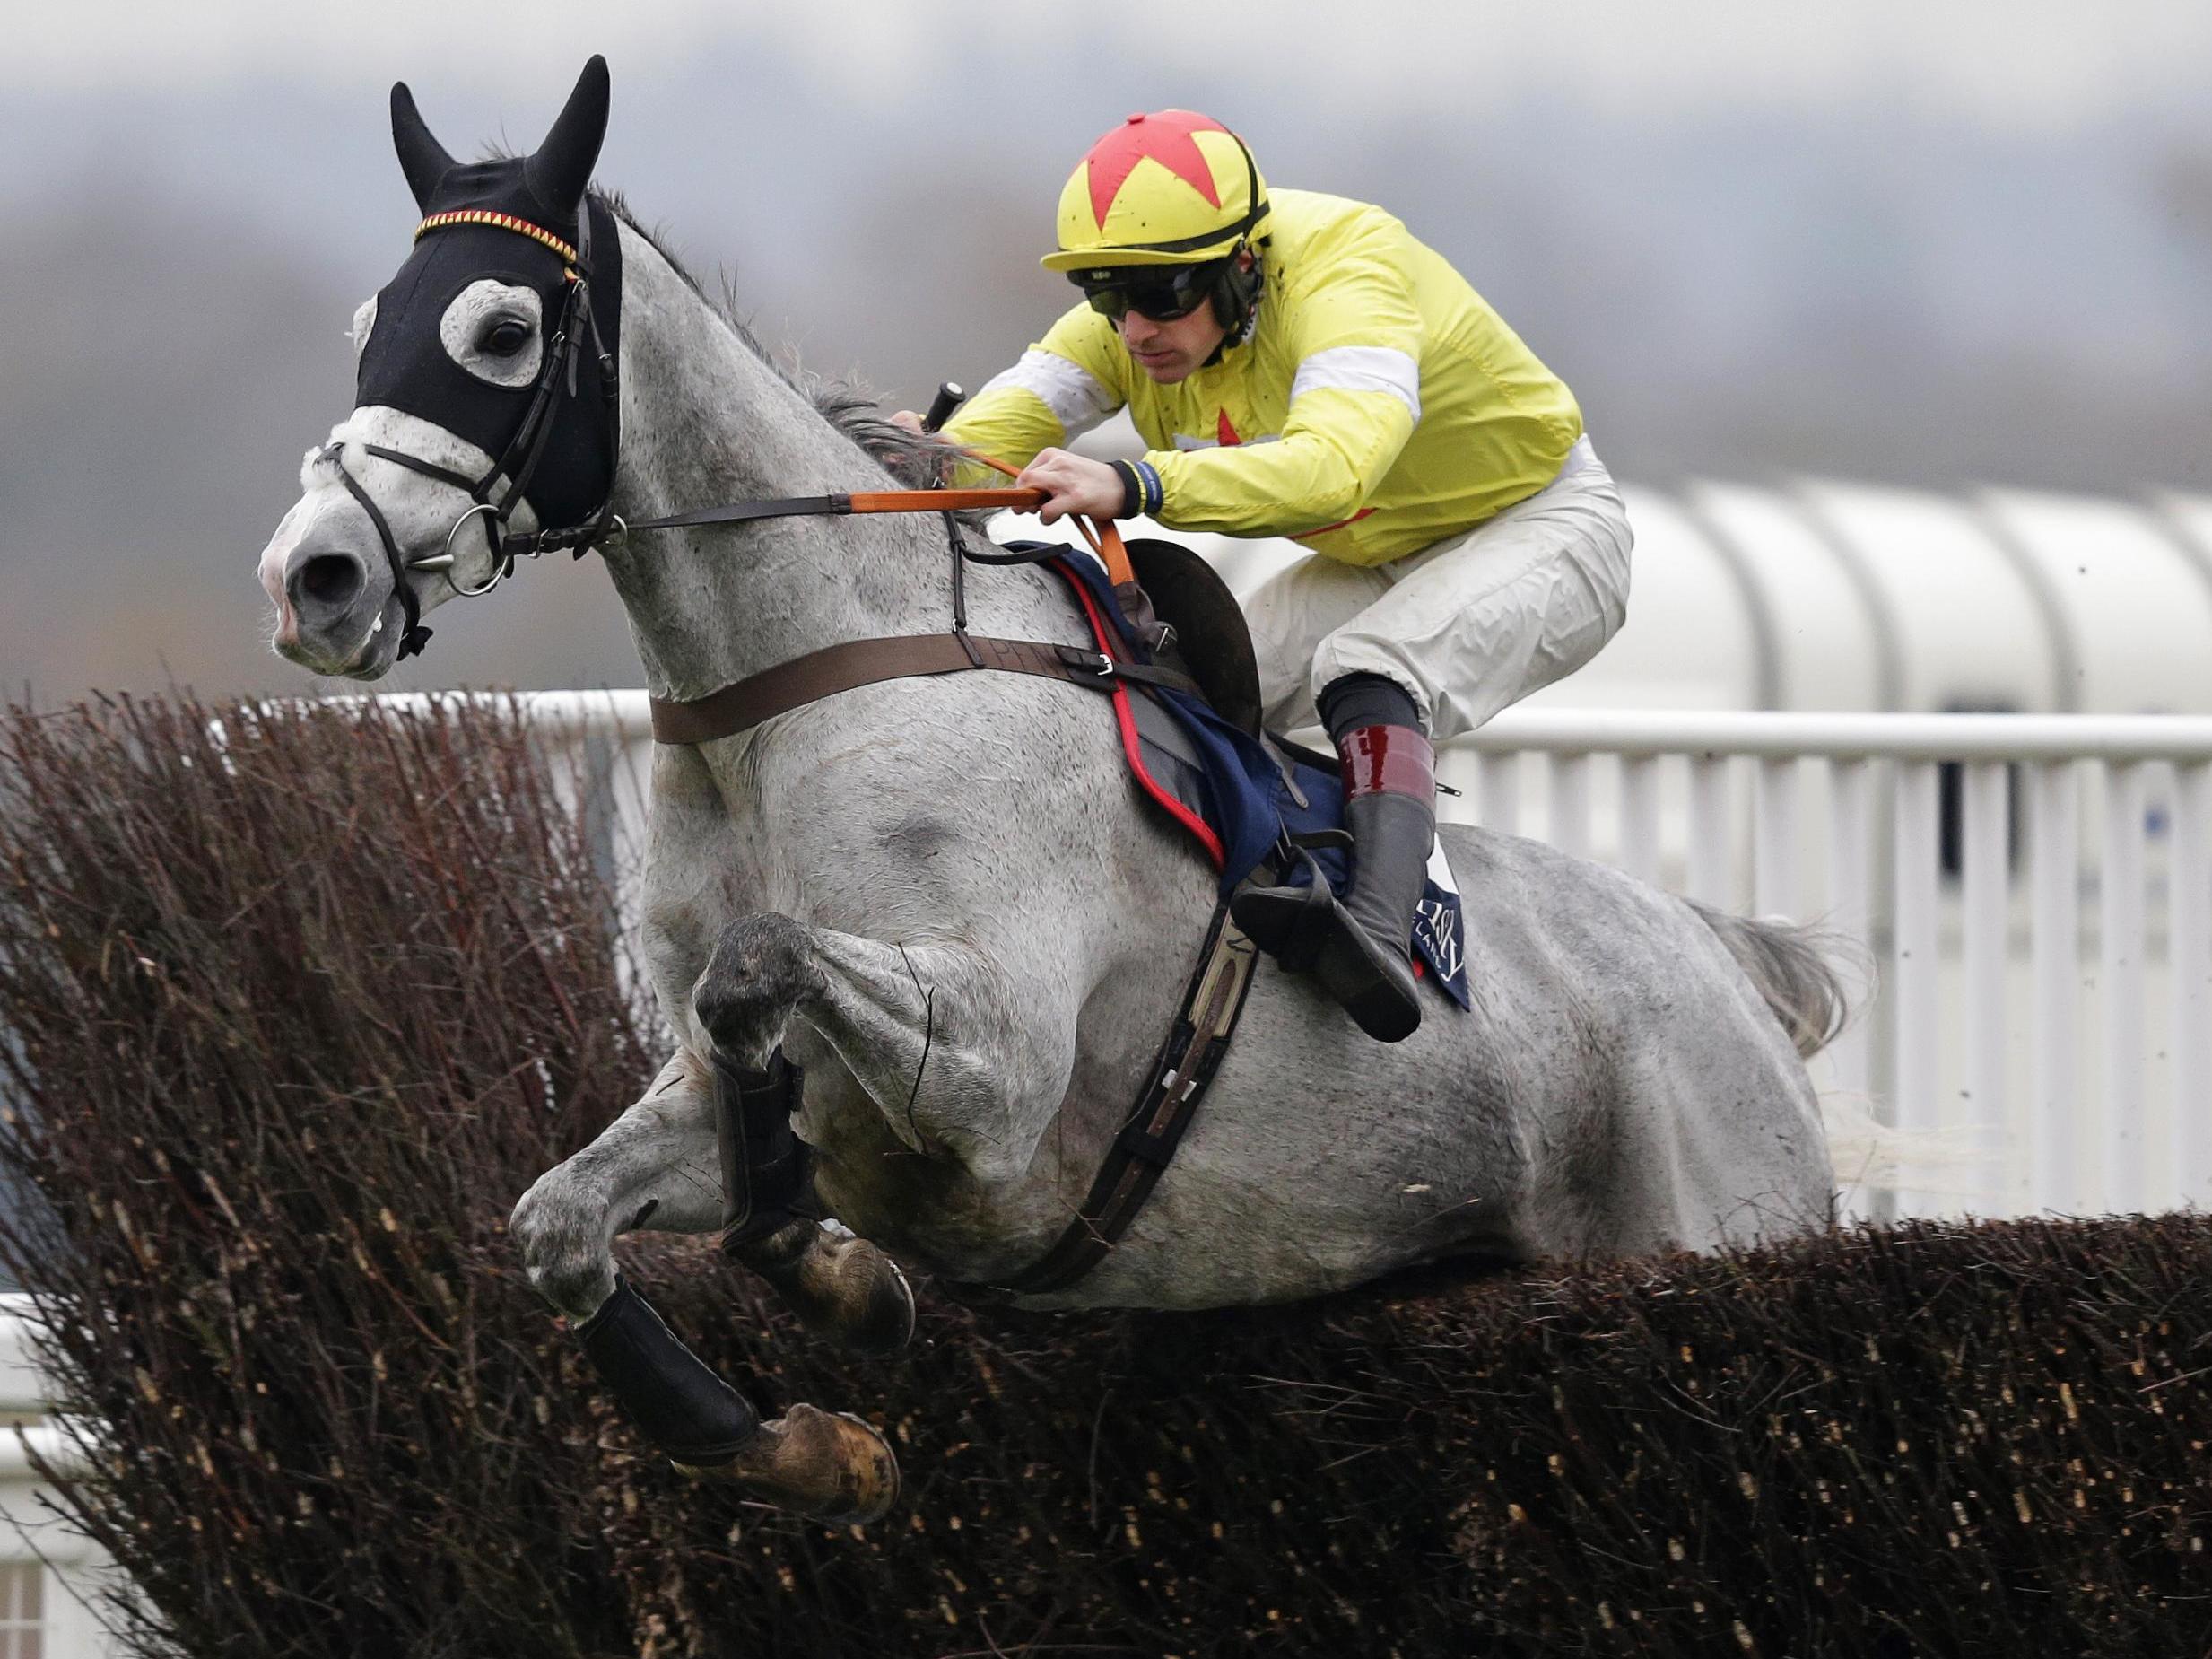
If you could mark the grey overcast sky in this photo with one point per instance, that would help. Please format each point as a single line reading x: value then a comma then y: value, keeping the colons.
x: 2034, y: 64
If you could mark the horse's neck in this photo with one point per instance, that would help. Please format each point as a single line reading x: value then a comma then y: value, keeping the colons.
x: 705, y: 421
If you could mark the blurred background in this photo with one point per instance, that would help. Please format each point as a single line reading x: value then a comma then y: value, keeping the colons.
x: 1926, y: 242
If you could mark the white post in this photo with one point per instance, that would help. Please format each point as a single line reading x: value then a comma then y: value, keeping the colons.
x: 1774, y: 876
x: 1914, y: 989
x: 2188, y: 951
x: 2120, y: 988
x: 1986, y: 924
x: 1570, y: 810
x: 1501, y: 792
x: 1851, y: 891
x: 1639, y: 816
x: 1851, y: 910
x: 2055, y: 935
x: 1712, y: 850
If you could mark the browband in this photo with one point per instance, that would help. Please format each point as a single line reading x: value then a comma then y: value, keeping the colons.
x: 504, y: 222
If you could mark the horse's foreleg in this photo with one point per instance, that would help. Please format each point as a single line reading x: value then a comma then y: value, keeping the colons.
x: 964, y: 1058
x: 659, y: 1163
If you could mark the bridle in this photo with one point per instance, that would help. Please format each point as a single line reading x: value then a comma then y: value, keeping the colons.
x: 519, y: 461
x: 577, y: 330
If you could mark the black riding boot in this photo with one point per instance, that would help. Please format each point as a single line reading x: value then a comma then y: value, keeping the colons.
x: 1361, y: 948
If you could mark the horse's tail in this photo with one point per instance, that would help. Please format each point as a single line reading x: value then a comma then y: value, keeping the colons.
x: 1792, y: 968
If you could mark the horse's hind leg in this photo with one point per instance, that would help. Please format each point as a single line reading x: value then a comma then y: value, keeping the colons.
x: 658, y: 1163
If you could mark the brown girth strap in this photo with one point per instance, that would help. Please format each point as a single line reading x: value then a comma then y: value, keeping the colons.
x: 865, y: 662
x: 1141, y: 1152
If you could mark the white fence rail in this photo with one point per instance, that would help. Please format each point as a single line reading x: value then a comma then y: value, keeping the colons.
x: 2032, y: 896
x: 2028, y: 898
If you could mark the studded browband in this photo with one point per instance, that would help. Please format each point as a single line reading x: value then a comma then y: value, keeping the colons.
x: 504, y: 222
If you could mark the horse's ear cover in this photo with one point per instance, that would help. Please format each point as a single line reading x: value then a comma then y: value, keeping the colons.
x: 562, y: 166
x: 403, y: 363
x: 422, y: 157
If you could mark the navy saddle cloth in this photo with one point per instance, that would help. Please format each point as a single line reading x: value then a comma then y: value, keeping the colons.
x: 1243, y: 800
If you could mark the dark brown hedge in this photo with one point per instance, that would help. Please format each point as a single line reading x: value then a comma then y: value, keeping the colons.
x: 297, y: 1008
x: 295, y: 1015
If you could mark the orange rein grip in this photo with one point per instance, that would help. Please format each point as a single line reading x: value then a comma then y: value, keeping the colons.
x: 943, y: 501
x: 1110, y: 549
x: 1105, y: 540
x: 992, y: 462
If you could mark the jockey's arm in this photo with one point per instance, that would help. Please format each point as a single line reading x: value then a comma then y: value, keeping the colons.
x: 1355, y: 335
x: 1060, y: 388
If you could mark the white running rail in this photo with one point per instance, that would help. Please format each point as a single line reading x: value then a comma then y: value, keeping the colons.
x: 2030, y: 895
x: 2033, y: 893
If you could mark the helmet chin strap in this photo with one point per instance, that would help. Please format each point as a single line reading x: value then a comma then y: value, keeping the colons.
x: 1236, y: 300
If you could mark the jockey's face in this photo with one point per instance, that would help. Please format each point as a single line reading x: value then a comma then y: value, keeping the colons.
x: 1167, y: 352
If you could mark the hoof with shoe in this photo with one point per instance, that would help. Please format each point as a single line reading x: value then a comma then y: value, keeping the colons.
x: 827, y: 1466
x: 838, y: 1285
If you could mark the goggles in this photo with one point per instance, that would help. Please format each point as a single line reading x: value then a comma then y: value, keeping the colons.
x: 1162, y: 294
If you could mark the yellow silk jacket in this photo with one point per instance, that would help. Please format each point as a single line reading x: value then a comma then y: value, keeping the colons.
x: 1379, y: 407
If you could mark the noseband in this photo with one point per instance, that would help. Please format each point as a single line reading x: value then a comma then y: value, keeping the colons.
x: 519, y: 461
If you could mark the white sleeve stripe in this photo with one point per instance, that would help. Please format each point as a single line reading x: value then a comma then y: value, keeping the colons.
x: 1078, y: 399
x: 1363, y: 369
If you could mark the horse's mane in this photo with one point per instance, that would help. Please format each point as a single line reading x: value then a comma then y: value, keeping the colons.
x: 913, y: 460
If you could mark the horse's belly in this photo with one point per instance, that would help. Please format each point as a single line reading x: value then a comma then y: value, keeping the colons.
x: 1319, y: 1160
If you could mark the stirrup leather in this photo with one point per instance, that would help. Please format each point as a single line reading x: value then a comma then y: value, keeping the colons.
x: 1291, y: 923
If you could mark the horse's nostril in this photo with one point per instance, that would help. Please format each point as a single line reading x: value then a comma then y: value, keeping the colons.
x: 331, y: 579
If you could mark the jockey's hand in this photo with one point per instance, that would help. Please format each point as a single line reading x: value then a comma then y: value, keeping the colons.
x: 908, y: 419
x: 1074, y: 484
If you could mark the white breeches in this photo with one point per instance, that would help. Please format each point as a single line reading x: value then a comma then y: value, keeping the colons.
x: 1468, y: 625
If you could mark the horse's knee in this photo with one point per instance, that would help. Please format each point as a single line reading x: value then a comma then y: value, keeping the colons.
x: 563, y: 1255
x: 762, y: 967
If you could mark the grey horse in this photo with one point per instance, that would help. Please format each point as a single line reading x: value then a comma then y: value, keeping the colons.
x: 945, y: 900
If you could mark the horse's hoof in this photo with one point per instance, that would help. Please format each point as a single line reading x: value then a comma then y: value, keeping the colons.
x: 828, y: 1466
x: 840, y: 1286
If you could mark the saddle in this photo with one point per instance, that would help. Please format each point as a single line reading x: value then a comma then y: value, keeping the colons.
x: 1259, y: 808
x: 1210, y: 640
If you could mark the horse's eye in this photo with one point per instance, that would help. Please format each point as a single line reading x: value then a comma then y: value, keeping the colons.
x: 504, y: 337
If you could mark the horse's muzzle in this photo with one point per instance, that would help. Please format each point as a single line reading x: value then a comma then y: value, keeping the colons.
x: 335, y: 604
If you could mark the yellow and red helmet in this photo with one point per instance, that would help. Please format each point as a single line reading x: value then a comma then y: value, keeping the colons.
x: 1167, y: 188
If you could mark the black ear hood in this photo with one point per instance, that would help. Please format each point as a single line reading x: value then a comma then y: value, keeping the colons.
x: 545, y: 186
x: 403, y: 363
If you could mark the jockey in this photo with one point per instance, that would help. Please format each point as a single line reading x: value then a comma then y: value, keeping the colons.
x: 1297, y: 365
